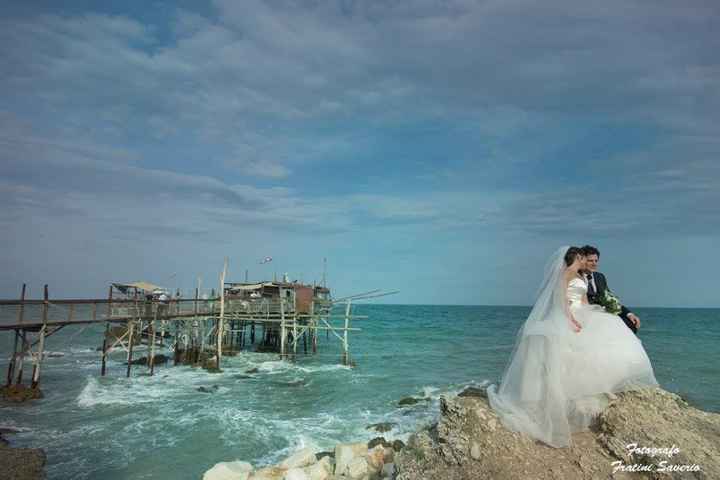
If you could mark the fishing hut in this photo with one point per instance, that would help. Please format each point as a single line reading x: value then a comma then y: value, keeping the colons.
x: 199, y: 330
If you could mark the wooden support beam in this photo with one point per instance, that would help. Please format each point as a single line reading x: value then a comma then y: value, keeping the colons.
x: 131, y: 341
x: 103, y: 366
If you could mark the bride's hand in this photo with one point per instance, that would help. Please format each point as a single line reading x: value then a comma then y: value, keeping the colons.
x: 576, y: 326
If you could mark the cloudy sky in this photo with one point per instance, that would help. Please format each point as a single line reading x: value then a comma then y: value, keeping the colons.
x: 442, y: 148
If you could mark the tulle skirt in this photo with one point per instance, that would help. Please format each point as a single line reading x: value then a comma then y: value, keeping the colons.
x: 556, y: 384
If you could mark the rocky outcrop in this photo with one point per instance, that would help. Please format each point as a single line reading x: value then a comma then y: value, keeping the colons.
x: 351, y: 461
x: 20, y: 463
x: 648, y: 433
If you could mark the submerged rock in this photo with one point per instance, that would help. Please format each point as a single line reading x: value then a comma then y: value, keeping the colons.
x: 470, y: 442
x: 20, y: 393
x: 381, y: 427
x: 252, y: 370
x: 210, y: 389
x: 474, y: 392
x: 408, y: 401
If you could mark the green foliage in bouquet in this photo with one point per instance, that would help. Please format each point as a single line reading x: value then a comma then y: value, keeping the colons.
x: 611, y: 303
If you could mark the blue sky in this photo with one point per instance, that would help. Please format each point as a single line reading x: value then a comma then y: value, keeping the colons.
x: 444, y: 149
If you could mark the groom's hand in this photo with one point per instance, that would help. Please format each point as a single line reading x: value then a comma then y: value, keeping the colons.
x: 634, y: 318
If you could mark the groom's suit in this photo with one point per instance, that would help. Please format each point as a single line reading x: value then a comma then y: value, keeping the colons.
x: 596, y: 292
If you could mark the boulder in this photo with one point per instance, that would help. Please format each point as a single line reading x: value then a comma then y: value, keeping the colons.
x: 299, y: 459
x: 296, y: 474
x: 322, y: 470
x: 20, y: 393
x: 358, y: 469
x: 268, y: 473
x: 229, y: 471
x: 381, y: 427
x: 378, y: 441
x: 345, y: 453
x: 408, y: 401
x: 638, y: 430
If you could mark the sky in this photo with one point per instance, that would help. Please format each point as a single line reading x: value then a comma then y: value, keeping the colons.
x: 444, y: 149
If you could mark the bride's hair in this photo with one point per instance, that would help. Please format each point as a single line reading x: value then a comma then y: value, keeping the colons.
x: 571, y: 254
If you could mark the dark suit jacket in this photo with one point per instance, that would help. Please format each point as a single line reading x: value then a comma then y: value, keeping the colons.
x: 594, y: 296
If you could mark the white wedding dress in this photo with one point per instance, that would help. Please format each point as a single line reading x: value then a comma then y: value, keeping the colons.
x: 558, y: 380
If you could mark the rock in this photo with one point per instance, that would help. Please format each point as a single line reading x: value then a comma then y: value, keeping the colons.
x: 321, y: 455
x: 22, y: 463
x: 381, y: 427
x: 408, y: 401
x: 211, y: 389
x: 158, y: 360
x: 398, y: 445
x: 296, y: 474
x: 378, y: 441
x: 229, y: 471
x: 299, y: 459
x: 242, y: 377
x: 474, y: 392
x: 20, y: 393
x: 268, y: 473
x: 345, y: 453
x: 469, y: 441
x: 389, y: 455
x: 252, y: 370
x: 358, y: 469
x: 322, y: 470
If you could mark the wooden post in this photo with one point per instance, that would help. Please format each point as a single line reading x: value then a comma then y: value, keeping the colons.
x: 21, y: 358
x: 131, y: 340
x: 282, y: 328
x: 151, y: 357
x: 295, y: 337
x: 345, y: 333
x: 11, y: 365
x: 41, y: 344
x: 103, y: 367
x: 221, y: 319
x: 314, y: 327
x: 13, y: 360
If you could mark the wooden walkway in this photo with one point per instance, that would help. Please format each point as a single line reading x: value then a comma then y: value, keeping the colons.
x: 200, y: 330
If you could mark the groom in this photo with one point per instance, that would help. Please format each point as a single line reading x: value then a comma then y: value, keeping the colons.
x: 597, y: 284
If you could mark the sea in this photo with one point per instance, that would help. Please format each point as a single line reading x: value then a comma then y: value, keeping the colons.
x: 180, y: 422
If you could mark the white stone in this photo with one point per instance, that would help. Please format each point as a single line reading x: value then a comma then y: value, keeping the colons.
x: 268, y: 473
x: 358, y: 469
x: 229, y: 471
x: 475, y: 451
x: 299, y: 459
x: 322, y: 470
x: 296, y: 474
x: 345, y: 453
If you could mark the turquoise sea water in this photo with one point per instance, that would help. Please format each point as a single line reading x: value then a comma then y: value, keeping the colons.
x: 163, y: 427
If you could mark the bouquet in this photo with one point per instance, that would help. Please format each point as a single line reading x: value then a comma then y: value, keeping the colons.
x: 611, y: 303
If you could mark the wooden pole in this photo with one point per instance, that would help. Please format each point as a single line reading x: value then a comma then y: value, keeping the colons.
x: 221, y: 319
x: 151, y: 358
x: 13, y: 360
x: 103, y: 367
x: 345, y: 333
x: 41, y: 345
x: 282, y: 328
x: 21, y: 358
x: 11, y: 365
x: 313, y: 321
x: 131, y: 340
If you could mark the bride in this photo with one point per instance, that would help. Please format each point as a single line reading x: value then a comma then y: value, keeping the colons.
x: 569, y: 357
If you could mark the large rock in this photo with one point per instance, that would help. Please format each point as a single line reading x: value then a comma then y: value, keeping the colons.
x: 301, y: 458
x: 22, y: 463
x: 358, y: 469
x: 345, y: 453
x: 470, y: 442
x: 322, y: 470
x: 268, y: 473
x: 296, y: 474
x: 229, y: 471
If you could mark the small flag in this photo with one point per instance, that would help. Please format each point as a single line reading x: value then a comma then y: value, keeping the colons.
x: 266, y: 260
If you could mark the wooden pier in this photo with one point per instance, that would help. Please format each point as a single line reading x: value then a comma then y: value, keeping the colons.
x: 200, y: 330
